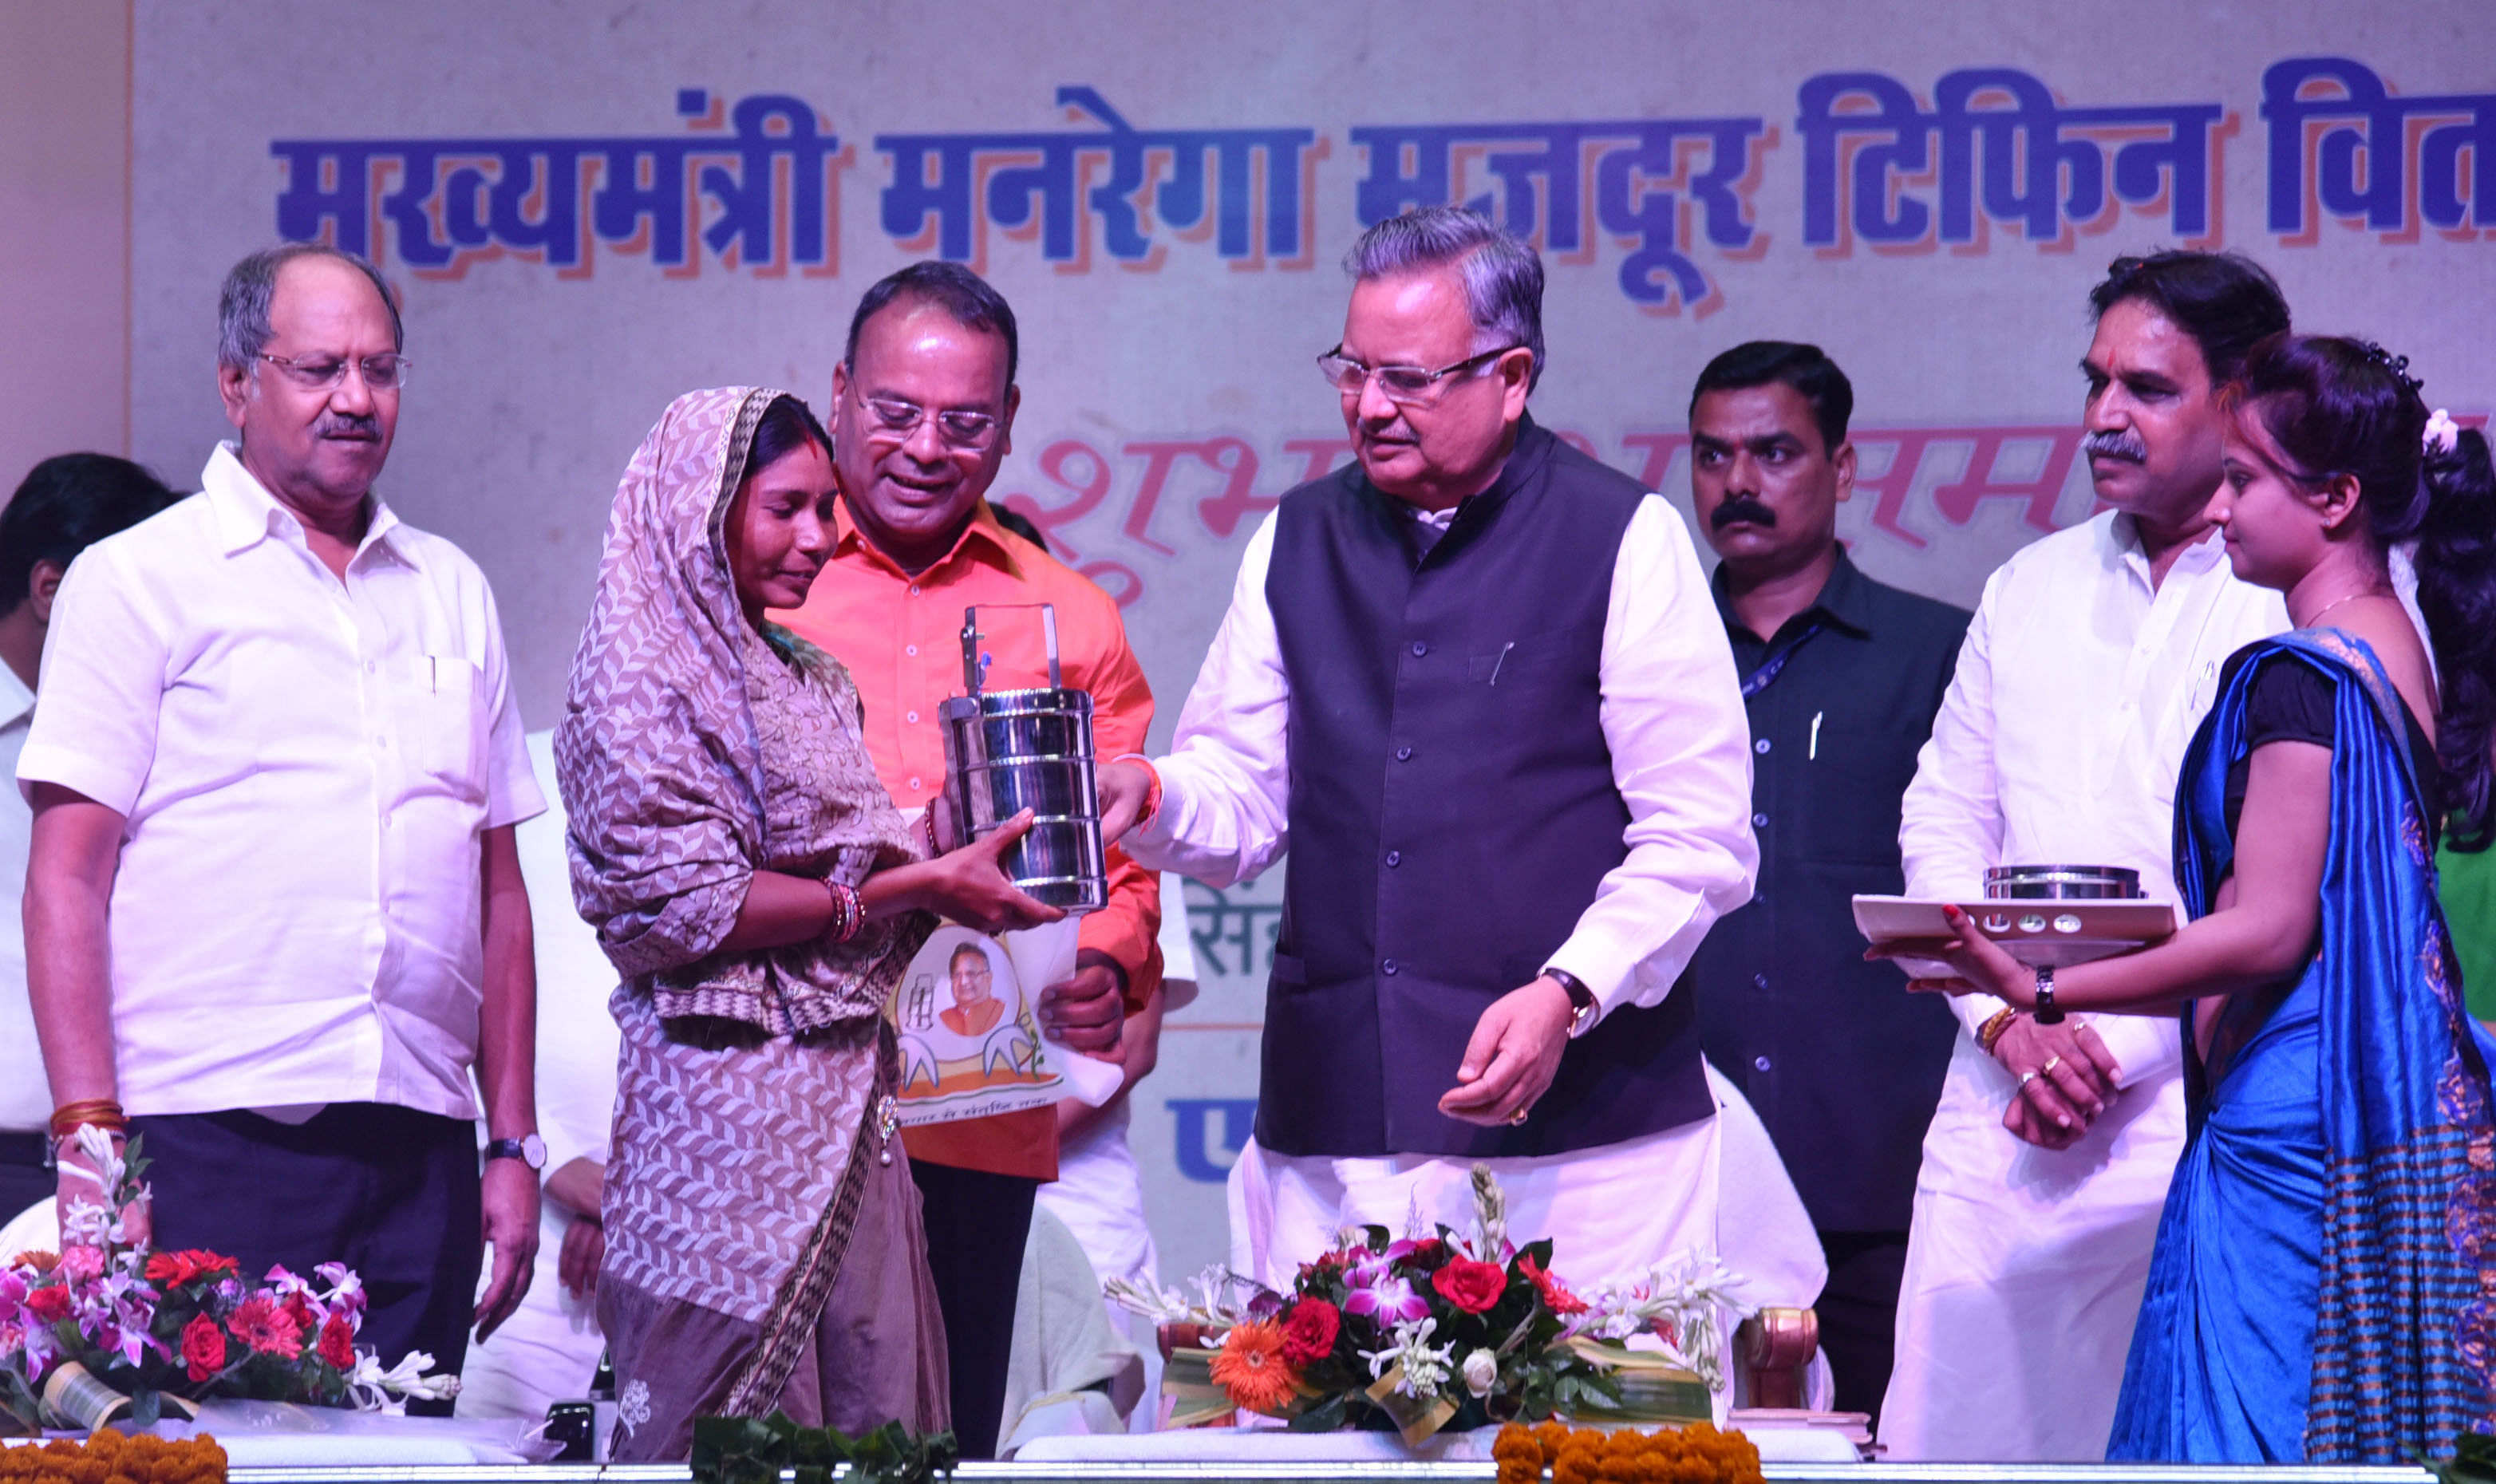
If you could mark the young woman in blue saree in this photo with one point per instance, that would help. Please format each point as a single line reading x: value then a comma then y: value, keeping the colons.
x: 2324, y: 1287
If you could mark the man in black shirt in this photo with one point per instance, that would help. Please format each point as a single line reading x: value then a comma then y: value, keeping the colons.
x: 1842, y: 676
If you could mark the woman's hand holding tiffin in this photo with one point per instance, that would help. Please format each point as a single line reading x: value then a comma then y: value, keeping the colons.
x: 970, y: 885
x: 1981, y: 965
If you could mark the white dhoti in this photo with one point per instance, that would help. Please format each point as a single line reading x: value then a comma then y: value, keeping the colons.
x: 1715, y: 1186
x: 2024, y: 1273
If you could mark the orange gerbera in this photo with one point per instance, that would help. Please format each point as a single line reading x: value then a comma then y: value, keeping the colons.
x: 1250, y: 1366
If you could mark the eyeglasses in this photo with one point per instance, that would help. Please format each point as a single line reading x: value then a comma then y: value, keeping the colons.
x: 325, y: 373
x: 895, y: 420
x: 1406, y: 386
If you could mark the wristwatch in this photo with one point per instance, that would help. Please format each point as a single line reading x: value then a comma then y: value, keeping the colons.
x: 1582, y: 1000
x: 2046, y: 1013
x: 529, y: 1150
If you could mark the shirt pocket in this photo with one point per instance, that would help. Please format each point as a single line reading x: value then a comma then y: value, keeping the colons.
x: 1854, y: 776
x: 442, y: 723
x: 1534, y: 659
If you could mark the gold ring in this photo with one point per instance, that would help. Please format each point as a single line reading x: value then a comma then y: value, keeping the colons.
x: 2051, y: 1062
x: 1517, y: 1117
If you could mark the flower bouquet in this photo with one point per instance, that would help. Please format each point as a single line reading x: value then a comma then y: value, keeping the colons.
x: 109, y: 1330
x: 1431, y: 1331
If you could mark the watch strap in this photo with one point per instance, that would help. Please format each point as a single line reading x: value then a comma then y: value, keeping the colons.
x: 516, y: 1149
x: 2047, y: 1013
x: 1582, y: 1000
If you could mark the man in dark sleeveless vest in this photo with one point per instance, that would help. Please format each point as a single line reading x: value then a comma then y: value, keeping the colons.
x: 1477, y: 684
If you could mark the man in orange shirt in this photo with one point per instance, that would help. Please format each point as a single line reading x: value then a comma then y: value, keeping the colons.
x: 923, y: 406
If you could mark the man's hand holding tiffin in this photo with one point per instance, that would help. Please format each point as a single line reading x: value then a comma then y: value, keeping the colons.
x: 1128, y: 791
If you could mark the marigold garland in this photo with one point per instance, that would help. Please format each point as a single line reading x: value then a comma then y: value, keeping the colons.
x: 1250, y: 1366
x: 1697, y: 1454
x: 109, y: 1456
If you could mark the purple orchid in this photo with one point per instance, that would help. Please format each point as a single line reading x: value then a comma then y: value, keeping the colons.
x: 1382, y: 1298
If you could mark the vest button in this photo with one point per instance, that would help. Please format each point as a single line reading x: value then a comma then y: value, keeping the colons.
x: 1761, y: 1063
x: 1758, y: 821
x: 1403, y: 754
x: 1391, y: 967
x: 1395, y: 858
x: 1760, y: 746
x: 1419, y: 648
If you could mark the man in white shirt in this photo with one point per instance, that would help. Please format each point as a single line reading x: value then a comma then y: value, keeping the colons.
x: 65, y: 504
x: 1477, y: 683
x: 2093, y: 657
x: 274, y: 910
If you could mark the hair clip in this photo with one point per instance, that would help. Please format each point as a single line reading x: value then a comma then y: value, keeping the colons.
x: 2398, y: 365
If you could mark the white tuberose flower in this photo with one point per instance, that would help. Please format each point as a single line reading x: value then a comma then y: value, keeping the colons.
x: 1481, y: 1372
x: 1425, y: 1365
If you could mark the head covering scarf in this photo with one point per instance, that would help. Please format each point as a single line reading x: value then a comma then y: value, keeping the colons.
x: 694, y: 751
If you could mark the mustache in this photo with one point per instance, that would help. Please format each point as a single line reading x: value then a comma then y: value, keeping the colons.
x: 1743, y: 508
x: 348, y: 425
x: 2115, y: 443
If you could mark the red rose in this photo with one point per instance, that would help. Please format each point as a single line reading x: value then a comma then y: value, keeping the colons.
x: 339, y: 1343
x: 1425, y: 1252
x: 203, y: 1347
x: 1471, y: 1286
x: 1309, y: 1331
x: 50, y: 1304
x: 298, y: 1310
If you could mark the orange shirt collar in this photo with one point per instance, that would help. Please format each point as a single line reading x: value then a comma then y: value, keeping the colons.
x: 981, y: 540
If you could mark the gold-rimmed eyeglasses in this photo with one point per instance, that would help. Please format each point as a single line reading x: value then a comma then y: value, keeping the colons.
x: 893, y: 420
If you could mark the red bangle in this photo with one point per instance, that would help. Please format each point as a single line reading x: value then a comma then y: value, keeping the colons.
x: 103, y: 1112
x: 849, y: 912
x: 927, y: 818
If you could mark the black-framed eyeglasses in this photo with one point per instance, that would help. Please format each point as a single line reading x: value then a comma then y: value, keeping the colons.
x: 326, y: 373
x: 893, y: 420
x: 1407, y: 385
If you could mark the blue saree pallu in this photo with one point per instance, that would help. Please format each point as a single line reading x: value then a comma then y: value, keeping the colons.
x: 2324, y: 1287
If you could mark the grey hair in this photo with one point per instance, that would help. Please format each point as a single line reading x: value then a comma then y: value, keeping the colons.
x: 243, y: 309
x: 1503, y: 276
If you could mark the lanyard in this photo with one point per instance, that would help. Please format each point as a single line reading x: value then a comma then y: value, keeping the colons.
x: 1766, y: 674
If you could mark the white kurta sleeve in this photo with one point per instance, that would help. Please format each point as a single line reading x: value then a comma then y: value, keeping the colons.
x: 1950, y: 821
x: 1673, y: 715
x: 107, y: 655
x: 1226, y: 782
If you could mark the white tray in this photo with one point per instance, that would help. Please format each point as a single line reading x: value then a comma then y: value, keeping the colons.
x: 2033, y: 932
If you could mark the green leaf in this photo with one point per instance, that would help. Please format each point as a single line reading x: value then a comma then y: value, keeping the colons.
x: 1327, y: 1416
x: 2472, y: 1461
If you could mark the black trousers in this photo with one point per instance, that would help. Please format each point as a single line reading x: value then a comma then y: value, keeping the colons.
x: 977, y: 1224
x: 1858, y: 1313
x: 390, y: 1192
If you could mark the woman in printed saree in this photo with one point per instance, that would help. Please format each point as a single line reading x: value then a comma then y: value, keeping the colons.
x: 2324, y: 1286
x: 758, y: 894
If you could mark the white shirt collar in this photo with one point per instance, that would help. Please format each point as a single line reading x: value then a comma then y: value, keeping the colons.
x: 247, y: 514
x: 2124, y: 533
